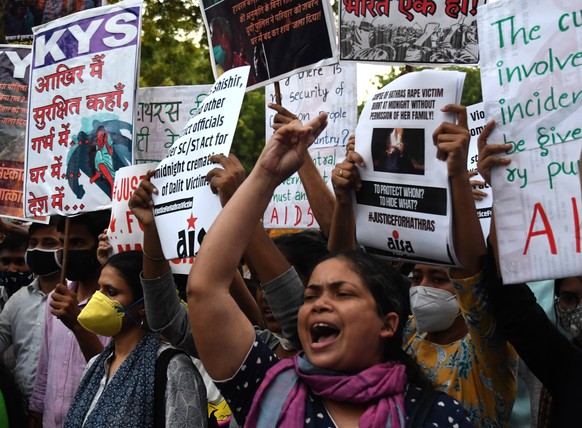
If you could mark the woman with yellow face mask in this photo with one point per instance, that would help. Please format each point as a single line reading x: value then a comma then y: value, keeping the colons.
x: 118, y: 387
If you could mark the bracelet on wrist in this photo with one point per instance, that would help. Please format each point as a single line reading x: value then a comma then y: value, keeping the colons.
x: 155, y: 259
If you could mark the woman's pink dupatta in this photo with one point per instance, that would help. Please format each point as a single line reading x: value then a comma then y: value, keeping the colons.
x: 381, y: 386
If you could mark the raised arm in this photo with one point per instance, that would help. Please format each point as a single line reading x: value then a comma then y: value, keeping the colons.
x: 222, y: 333
x: 520, y: 320
x: 271, y: 267
x: 260, y: 253
x: 452, y: 141
x: 141, y: 205
x: 487, y: 162
x: 320, y: 198
x: 495, y: 360
x: 345, y: 177
x: 164, y: 312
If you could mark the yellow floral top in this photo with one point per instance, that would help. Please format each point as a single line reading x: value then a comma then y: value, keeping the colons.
x: 479, y: 370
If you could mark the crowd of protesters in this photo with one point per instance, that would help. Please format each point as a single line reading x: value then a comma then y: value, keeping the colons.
x: 317, y: 334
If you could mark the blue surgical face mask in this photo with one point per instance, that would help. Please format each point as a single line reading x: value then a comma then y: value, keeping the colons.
x: 219, y: 54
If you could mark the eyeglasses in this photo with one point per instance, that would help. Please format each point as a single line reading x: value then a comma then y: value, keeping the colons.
x: 568, y: 300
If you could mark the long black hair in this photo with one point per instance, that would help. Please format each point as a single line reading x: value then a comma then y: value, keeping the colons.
x: 303, y: 250
x: 94, y: 222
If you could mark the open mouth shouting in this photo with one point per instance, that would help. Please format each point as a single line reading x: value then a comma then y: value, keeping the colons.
x: 323, y: 334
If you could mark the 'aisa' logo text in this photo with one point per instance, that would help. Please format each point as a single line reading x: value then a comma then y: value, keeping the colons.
x: 396, y: 244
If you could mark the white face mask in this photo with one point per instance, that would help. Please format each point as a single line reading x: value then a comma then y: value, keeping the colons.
x: 433, y: 309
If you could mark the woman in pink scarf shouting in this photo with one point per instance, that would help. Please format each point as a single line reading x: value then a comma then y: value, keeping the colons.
x: 352, y: 370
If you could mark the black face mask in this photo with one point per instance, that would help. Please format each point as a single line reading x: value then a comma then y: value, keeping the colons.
x: 14, y: 281
x: 43, y: 262
x: 82, y: 264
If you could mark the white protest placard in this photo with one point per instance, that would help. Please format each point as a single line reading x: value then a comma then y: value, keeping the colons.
x: 81, y: 108
x: 125, y: 233
x: 531, y: 52
x: 162, y: 113
x: 185, y: 207
x: 307, y: 94
x: 403, y: 209
x: 476, y: 122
